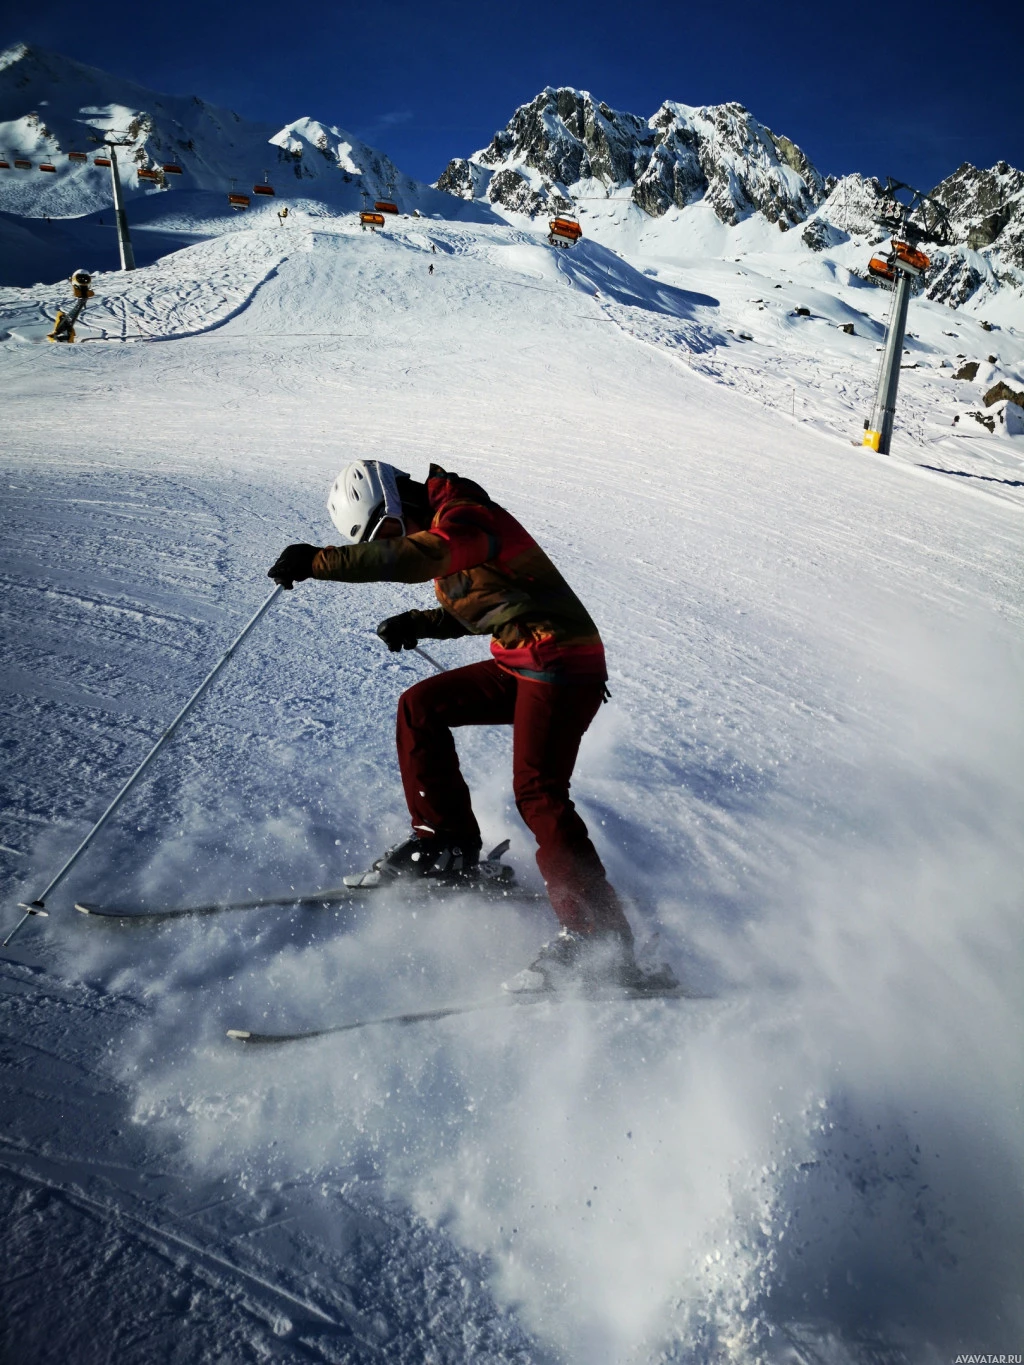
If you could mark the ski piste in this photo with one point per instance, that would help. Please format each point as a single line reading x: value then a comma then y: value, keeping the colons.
x: 610, y: 995
x: 495, y: 882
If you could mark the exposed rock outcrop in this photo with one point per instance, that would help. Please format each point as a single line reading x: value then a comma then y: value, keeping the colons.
x: 565, y: 141
x: 986, y: 209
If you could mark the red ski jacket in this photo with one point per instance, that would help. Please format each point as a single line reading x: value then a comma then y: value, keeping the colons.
x: 491, y: 578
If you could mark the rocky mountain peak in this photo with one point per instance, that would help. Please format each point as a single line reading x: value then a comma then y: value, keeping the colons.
x: 986, y: 208
x: 564, y: 142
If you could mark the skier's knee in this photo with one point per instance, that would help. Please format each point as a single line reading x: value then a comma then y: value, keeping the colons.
x: 419, y: 707
x: 543, y: 804
x: 410, y: 704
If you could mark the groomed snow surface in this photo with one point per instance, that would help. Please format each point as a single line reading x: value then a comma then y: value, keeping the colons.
x: 809, y: 783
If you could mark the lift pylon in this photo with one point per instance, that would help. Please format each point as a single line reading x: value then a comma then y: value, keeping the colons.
x: 912, y: 219
x: 124, y: 240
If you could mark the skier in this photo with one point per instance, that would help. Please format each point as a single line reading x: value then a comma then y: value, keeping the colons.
x: 430, y: 271
x: 546, y: 678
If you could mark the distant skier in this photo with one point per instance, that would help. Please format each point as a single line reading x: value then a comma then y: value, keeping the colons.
x: 433, y: 249
x: 546, y: 678
x: 430, y: 270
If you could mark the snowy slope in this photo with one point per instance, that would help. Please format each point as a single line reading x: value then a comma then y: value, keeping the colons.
x: 808, y: 782
x: 681, y: 183
x: 51, y: 106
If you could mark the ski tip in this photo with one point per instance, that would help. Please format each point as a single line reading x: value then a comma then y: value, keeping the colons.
x: 83, y: 908
x: 240, y: 1035
x: 34, y: 908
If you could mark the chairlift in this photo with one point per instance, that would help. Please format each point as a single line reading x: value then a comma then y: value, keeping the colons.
x: 78, y: 156
x: 21, y: 165
x: 266, y: 188
x: 564, y: 232
x: 909, y: 255
x: 47, y: 166
x: 369, y: 219
x: 882, y: 270
x: 101, y: 161
x: 4, y: 165
x: 239, y: 201
x: 152, y: 176
x: 171, y: 169
x: 385, y: 206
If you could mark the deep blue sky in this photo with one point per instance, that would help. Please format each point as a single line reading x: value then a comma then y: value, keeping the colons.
x: 428, y: 81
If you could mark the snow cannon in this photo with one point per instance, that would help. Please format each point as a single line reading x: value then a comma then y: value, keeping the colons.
x: 64, y: 323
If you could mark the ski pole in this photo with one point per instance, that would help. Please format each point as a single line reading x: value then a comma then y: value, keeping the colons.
x: 38, y: 906
x: 424, y: 655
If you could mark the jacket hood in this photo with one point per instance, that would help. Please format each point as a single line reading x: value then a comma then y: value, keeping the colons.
x: 444, y: 487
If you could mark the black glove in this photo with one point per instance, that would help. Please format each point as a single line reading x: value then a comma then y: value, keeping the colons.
x: 293, y: 565
x: 399, y: 632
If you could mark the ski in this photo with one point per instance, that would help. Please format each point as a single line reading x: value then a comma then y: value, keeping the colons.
x: 288, y: 900
x: 495, y: 881
x: 511, y: 1001
x: 505, y: 893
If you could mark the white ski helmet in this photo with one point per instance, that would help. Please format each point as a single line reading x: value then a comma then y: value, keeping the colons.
x: 363, y: 497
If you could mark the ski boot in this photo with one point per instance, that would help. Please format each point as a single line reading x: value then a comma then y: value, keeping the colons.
x: 588, y: 964
x: 436, y: 859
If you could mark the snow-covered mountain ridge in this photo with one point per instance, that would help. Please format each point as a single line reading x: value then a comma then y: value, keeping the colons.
x: 565, y: 150
x: 51, y: 106
x: 684, y: 184
x: 563, y: 141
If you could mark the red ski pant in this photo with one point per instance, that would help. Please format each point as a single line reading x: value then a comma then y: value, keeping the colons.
x: 548, y: 721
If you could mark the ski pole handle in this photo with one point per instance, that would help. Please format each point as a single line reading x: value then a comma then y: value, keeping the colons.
x: 37, y: 906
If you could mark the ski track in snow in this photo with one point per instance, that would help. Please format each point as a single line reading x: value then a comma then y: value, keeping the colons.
x: 194, y: 291
x: 808, y: 783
